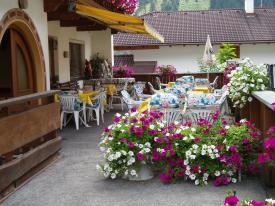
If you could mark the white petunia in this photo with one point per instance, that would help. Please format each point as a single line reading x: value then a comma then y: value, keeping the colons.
x: 234, y: 180
x: 197, y: 182
x: 133, y: 173
x: 113, y: 175
x: 217, y: 173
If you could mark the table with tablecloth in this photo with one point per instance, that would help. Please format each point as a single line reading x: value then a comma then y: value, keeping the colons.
x: 170, y: 84
x: 204, y: 89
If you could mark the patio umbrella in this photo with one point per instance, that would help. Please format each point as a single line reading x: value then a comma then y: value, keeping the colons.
x: 208, y: 56
x: 208, y: 51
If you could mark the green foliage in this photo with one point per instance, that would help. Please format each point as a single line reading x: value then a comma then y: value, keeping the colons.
x: 146, y: 6
x: 226, y: 52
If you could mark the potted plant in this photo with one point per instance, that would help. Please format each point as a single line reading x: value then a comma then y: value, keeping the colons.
x: 245, y: 79
x: 122, y: 71
x: 267, y: 158
x: 128, y: 143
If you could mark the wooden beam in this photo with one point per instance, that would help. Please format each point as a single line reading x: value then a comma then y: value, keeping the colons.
x: 121, y: 48
x: 52, y: 5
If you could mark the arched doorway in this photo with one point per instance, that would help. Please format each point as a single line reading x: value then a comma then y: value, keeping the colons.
x: 22, y: 67
x: 16, y: 73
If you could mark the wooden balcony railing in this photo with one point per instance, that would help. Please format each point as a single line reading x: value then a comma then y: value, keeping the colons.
x: 259, y: 111
x: 28, y: 137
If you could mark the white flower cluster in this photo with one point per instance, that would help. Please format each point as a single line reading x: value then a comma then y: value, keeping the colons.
x: 244, y: 80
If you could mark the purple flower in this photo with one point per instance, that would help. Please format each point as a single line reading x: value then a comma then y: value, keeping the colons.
x: 133, y: 110
x: 116, y: 119
x: 255, y: 203
x: 245, y: 140
x: 180, y: 173
x: 106, y: 130
x: 134, y: 120
x: 231, y: 201
x: 233, y: 148
x: 140, y: 156
x: 197, y: 140
x: 171, y: 171
x: 263, y: 157
x: 123, y: 140
x: 165, y: 178
x: 158, y: 140
x: 131, y: 144
x: 155, y: 156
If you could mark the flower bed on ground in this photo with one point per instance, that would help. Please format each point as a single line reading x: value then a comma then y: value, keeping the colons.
x: 198, y: 152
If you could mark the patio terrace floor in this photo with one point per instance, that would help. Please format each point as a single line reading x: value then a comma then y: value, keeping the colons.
x: 74, y: 181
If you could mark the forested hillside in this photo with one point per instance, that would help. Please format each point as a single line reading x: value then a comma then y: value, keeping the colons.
x: 146, y: 6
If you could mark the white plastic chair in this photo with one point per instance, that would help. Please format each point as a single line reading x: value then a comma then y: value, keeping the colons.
x: 68, y: 106
x: 118, y: 96
x: 138, y: 91
x: 129, y: 101
x: 102, y: 100
x: 160, y: 85
x: 94, y: 108
x: 172, y: 115
x: 194, y: 115
x: 152, y: 89
x: 214, y: 84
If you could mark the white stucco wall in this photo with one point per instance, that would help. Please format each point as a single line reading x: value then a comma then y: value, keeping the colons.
x: 102, y: 43
x: 259, y: 53
x: 184, y: 58
x: 64, y: 36
x: 39, y: 17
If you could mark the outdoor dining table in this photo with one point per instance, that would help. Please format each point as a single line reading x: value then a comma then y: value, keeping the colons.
x: 204, y: 89
x: 110, y: 89
x: 170, y: 84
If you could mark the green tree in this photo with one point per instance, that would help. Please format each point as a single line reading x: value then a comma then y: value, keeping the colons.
x: 226, y: 52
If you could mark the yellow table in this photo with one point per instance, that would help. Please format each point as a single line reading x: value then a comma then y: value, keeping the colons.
x: 170, y: 84
x: 205, y: 90
x: 87, y: 95
x: 110, y: 89
x: 145, y: 105
x: 195, y: 92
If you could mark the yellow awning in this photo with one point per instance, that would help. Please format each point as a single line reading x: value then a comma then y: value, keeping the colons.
x: 119, y: 21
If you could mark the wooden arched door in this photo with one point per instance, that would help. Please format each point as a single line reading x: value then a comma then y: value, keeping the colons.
x: 17, y: 66
x: 22, y: 72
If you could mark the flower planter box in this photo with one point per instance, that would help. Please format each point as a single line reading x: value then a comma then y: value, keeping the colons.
x: 269, y: 175
x: 144, y: 173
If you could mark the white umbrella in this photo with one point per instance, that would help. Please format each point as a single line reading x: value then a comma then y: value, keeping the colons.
x: 208, y: 51
x: 208, y: 56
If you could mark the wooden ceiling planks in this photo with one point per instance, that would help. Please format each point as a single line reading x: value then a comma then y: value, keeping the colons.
x: 57, y: 10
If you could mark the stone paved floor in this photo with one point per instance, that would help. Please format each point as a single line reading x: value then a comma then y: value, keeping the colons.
x: 74, y: 181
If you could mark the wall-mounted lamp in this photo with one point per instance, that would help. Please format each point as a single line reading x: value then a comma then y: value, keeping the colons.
x: 23, y: 4
x: 65, y: 54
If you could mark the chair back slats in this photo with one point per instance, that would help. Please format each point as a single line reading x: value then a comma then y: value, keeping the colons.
x: 67, y: 102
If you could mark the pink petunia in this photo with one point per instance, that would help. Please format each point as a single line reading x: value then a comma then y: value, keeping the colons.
x: 131, y: 144
x: 231, y: 201
x: 140, y: 156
